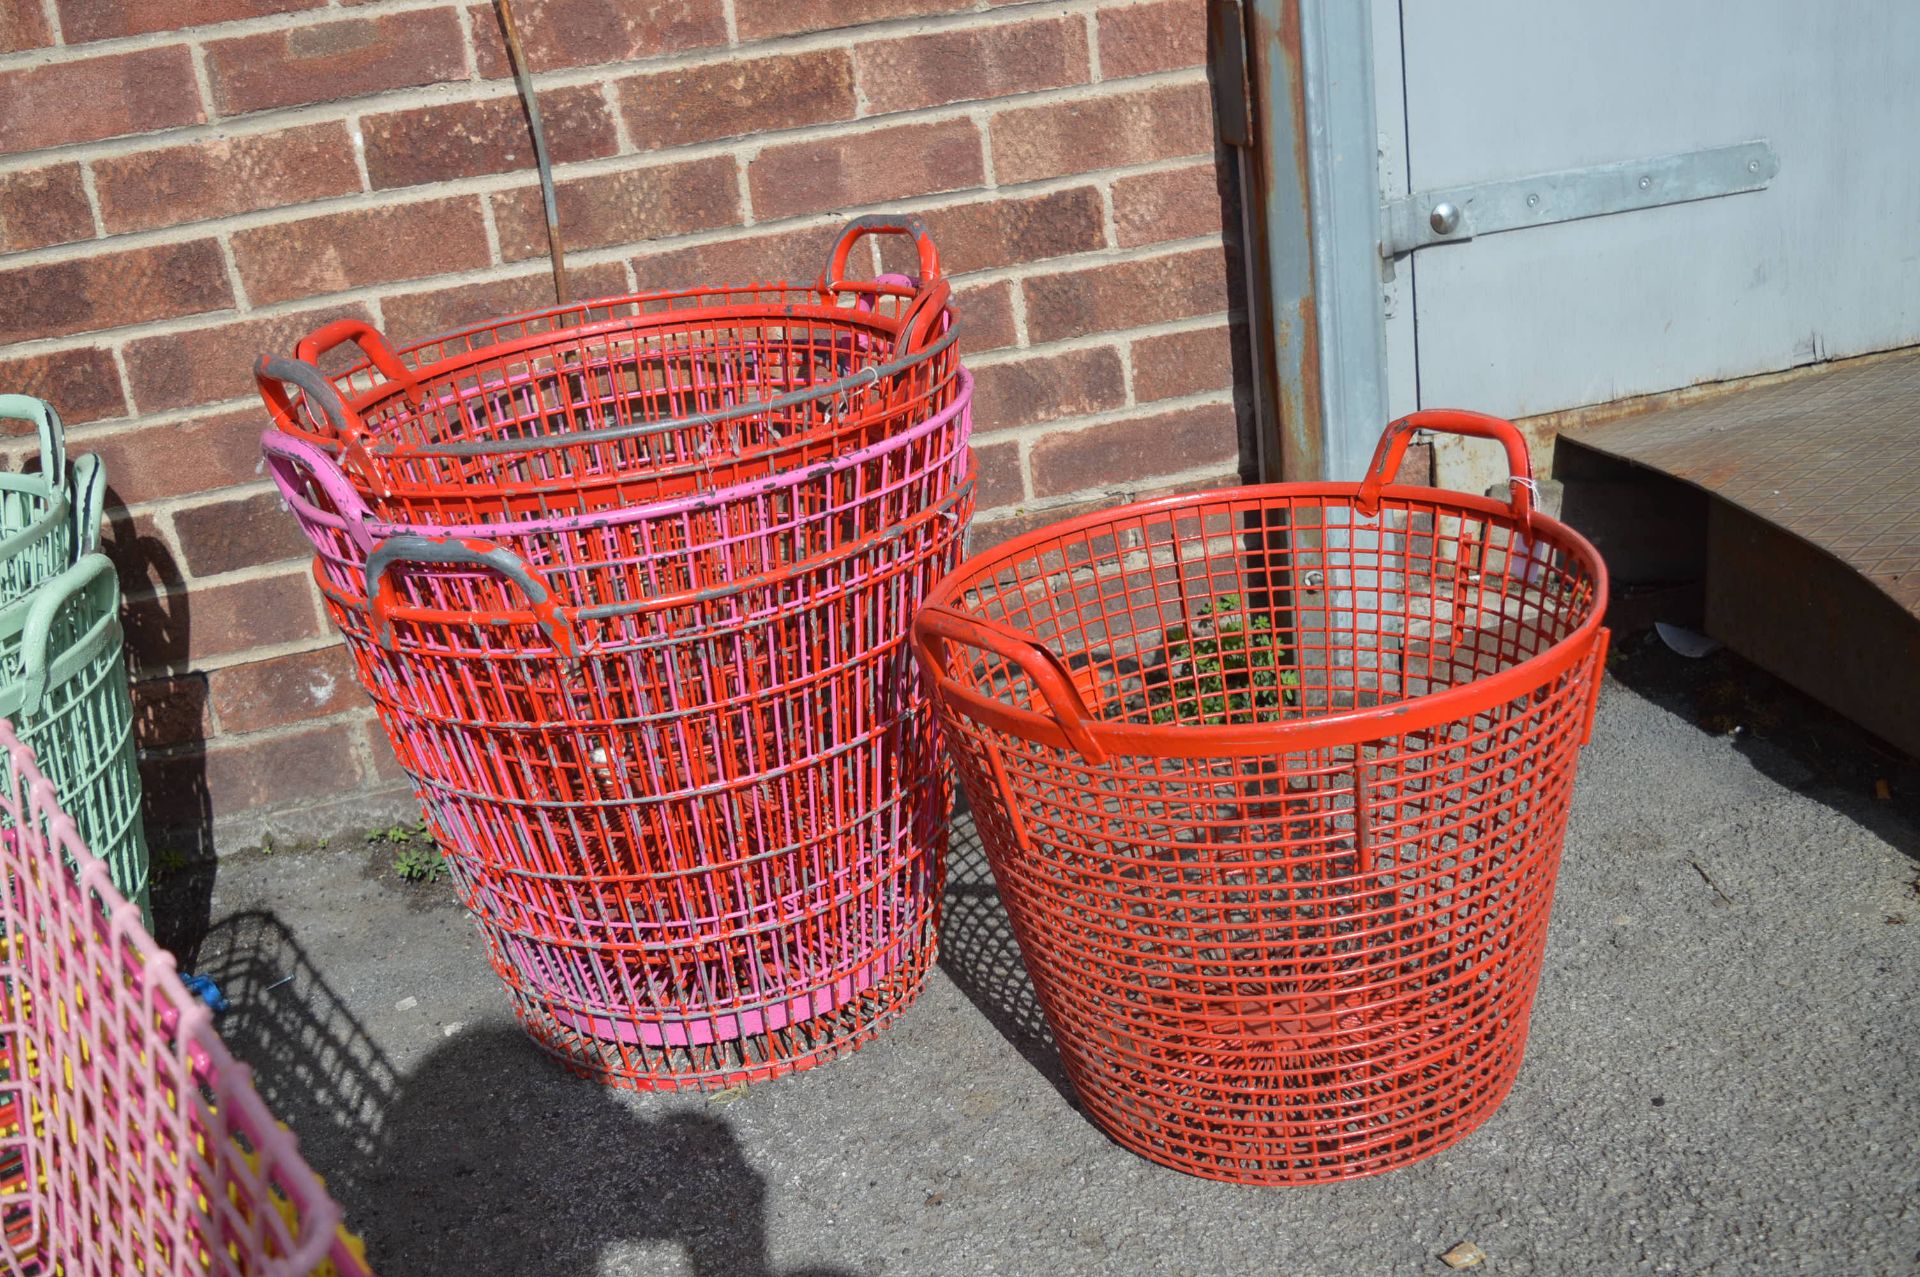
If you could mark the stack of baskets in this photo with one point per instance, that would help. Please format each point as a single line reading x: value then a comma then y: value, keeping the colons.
x: 629, y: 584
x: 63, y: 682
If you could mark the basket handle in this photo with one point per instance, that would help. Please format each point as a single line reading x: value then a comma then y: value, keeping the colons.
x: 93, y: 571
x: 274, y: 373
x: 290, y: 460
x: 1392, y: 450
x: 412, y: 548
x: 53, y: 436
x: 919, y: 324
x: 371, y: 344
x: 835, y: 275
x: 1037, y: 662
x: 88, y: 483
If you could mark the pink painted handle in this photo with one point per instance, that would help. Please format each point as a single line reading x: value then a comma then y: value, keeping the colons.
x: 291, y: 461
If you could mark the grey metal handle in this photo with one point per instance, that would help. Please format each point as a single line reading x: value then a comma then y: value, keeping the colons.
x: 53, y: 435
x: 382, y: 599
x: 274, y: 373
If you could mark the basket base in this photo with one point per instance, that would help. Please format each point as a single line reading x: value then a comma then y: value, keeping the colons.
x: 723, y: 1026
x: 800, y: 1045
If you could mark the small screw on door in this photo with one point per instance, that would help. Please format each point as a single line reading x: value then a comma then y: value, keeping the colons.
x: 1445, y: 218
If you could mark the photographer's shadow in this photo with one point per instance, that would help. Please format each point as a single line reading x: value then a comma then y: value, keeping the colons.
x: 486, y: 1159
x: 495, y: 1163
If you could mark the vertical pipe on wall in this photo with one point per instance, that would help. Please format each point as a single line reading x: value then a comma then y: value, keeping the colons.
x: 523, y: 78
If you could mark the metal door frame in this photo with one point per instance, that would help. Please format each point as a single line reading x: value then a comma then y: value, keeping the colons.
x: 1316, y: 187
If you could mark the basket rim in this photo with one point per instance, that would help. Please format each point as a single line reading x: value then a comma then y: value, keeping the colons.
x: 1350, y: 727
x: 958, y: 410
x: 443, y: 369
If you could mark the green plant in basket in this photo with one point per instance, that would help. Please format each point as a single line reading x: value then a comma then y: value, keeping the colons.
x: 1223, y: 666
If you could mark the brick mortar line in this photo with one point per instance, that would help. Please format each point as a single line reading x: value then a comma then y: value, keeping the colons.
x: 1094, y: 71
x: 210, y: 33
x: 1023, y: 459
x: 730, y: 16
x: 1085, y: 422
x: 1121, y: 340
x: 622, y: 135
x: 743, y: 149
x: 169, y: 753
x: 461, y: 92
x: 239, y: 287
x: 490, y: 229
x: 848, y: 38
x: 204, y: 497
x: 331, y: 14
x: 1119, y: 493
x: 357, y: 143
x: 202, y: 79
x: 1094, y: 341
x: 51, y: 8
x: 92, y: 190
x: 469, y: 44
x: 743, y: 190
x: 500, y: 183
x: 238, y: 576
x: 116, y: 337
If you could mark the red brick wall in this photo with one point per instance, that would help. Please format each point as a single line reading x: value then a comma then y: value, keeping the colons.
x: 186, y: 183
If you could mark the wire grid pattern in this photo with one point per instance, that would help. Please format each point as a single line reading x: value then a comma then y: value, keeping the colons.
x: 130, y: 1140
x: 1831, y: 456
x: 726, y: 817
x: 668, y: 547
x: 642, y: 398
x: 1311, y: 958
x: 83, y: 716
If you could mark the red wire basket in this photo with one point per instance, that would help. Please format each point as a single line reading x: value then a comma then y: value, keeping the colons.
x: 130, y: 1140
x: 626, y: 400
x: 704, y: 833
x: 1273, y: 782
x: 665, y: 547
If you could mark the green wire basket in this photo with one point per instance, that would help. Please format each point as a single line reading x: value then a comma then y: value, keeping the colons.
x: 43, y: 530
x: 63, y: 685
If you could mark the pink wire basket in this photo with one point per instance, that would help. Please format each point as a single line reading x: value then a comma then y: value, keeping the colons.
x: 663, y: 548
x: 703, y: 834
x: 626, y: 400
x: 130, y: 1140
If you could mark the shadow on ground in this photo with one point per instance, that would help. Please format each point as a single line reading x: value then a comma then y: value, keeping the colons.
x: 980, y: 955
x: 487, y: 1159
x: 1790, y: 737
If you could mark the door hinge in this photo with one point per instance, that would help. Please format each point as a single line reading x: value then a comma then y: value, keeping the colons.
x: 1462, y: 212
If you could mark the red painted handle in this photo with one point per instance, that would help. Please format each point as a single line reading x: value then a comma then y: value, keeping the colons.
x: 1048, y: 672
x: 371, y: 344
x: 1454, y: 421
x: 881, y: 224
x: 921, y: 322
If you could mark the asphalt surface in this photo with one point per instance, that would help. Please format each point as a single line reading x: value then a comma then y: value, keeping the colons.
x: 1721, y: 1078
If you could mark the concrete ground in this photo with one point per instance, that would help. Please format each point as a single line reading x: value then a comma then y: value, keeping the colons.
x: 1724, y: 1073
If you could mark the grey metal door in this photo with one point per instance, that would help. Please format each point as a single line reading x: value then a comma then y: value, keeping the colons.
x: 1822, y: 263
